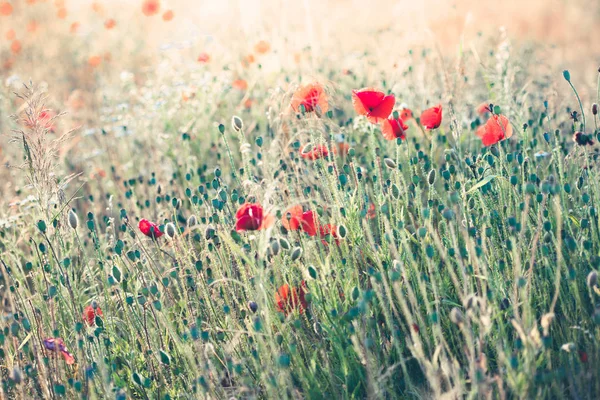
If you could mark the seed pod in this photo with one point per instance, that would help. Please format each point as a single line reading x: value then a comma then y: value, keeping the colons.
x: 192, y: 221
x: 592, y: 279
x: 236, y: 123
x: 391, y: 164
x: 595, y: 109
x: 73, y: 219
x: 209, y: 233
x: 456, y: 316
x: 342, y: 231
x: 431, y: 177
x: 296, y: 253
x: 284, y: 244
x: 170, y: 230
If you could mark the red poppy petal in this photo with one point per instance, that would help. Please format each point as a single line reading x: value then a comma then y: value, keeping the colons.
x: 382, y: 110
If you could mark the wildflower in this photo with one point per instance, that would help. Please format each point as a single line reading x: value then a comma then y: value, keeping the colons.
x: 73, y: 219
x: 484, y: 108
x: 74, y: 27
x: 497, y: 128
x: 405, y: 112
x: 150, y: 7
x: 262, y: 47
x: 288, y: 299
x: 61, y: 13
x: 90, y: 312
x: 432, y: 117
x: 371, y: 211
x: 94, y: 61
x: 15, y: 46
x: 582, y: 139
x: 239, y: 84
x: 150, y: 229
x: 315, y: 152
x: 168, y: 15
x: 58, y: 345
x: 295, y: 219
x: 373, y: 104
x: 326, y: 231
x: 311, y: 97
x: 6, y: 9
x: 203, y: 58
x: 110, y: 23
x: 251, y: 217
x: 394, y: 128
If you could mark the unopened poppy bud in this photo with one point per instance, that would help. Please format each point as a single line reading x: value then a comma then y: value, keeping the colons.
x: 431, y: 177
x: 456, y: 316
x: 342, y: 231
x: 73, y: 219
x: 252, y: 306
x: 94, y: 304
x: 296, y: 253
x: 567, y: 75
x: 275, y: 247
x: 592, y: 279
x: 391, y: 164
x: 192, y: 221
x: 284, y: 243
x: 209, y: 233
x: 16, y: 376
x: 595, y: 109
x: 236, y: 123
x: 170, y: 230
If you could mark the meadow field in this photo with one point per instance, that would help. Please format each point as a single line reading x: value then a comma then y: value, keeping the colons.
x: 272, y: 199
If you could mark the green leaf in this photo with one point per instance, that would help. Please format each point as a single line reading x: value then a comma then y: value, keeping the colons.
x: 481, y: 183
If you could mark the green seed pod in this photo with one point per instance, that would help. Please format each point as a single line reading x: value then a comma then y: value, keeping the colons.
x: 296, y: 253
x: 192, y: 221
x: 170, y: 230
x: 431, y: 177
x: 236, y: 123
x: 275, y: 247
x: 391, y: 164
x: 284, y: 244
x: 73, y: 219
x: 456, y: 316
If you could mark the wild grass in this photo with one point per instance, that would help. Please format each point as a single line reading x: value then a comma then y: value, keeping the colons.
x: 459, y: 271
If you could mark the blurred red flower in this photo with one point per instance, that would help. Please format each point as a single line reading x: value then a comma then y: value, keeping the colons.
x: 251, y: 217
x: 312, y: 97
x: 150, y: 229
x: 316, y: 152
x: 394, y: 128
x: 497, y: 128
x: 203, y: 58
x: 373, y: 104
x: 89, y: 314
x: 330, y: 230
x: 58, y: 345
x: 432, y: 117
x: 150, y: 7
x: 289, y: 299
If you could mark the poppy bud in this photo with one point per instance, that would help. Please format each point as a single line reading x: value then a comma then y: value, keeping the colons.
x: 16, y: 376
x: 567, y: 75
x: 192, y: 221
x: 284, y: 243
x: 431, y: 177
x: 170, y: 230
x: 391, y: 164
x: 275, y: 247
x: 595, y: 109
x: 342, y: 231
x: 209, y: 233
x: 296, y: 253
x: 73, y: 219
x: 456, y: 316
x: 592, y: 279
x: 252, y: 306
x: 236, y: 123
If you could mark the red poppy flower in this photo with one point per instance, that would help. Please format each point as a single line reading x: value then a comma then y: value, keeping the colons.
x: 239, y: 84
x: 406, y: 114
x: 6, y: 8
x: 497, y: 128
x: 318, y: 151
x: 251, y: 217
x: 310, y: 96
x: 288, y: 299
x: 262, y: 47
x: 110, y: 23
x: 58, y: 345
x: 393, y: 129
x: 150, y: 229
x: 432, y: 117
x: 89, y: 314
x: 295, y: 219
x: 168, y: 15
x: 371, y: 213
x: 203, y: 58
x: 150, y: 7
x: 330, y: 230
x: 15, y: 46
x: 373, y: 104
x: 483, y: 108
